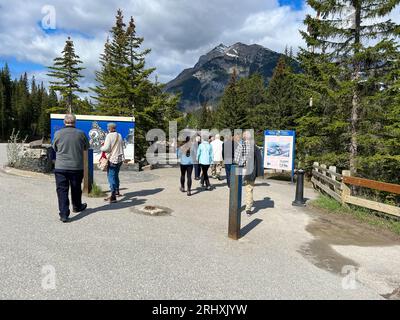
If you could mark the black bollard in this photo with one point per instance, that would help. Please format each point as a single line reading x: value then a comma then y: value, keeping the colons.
x: 299, y: 201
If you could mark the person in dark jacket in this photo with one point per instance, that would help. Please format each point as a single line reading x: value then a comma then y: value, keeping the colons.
x: 228, y: 152
x: 69, y: 144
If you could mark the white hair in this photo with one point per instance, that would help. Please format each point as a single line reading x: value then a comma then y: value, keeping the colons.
x: 69, y: 119
x: 112, y: 126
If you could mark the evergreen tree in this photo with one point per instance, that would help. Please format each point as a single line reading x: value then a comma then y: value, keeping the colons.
x: 285, y: 99
x: 49, y: 104
x: 355, y: 36
x: 230, y: 115
x: 206, y: 117
x: 21, y: 106
x: 5, y: 103
x: 67, y: 72
x: 124, y: 87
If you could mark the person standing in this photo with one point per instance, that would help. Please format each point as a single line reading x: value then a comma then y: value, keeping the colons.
x: 228, y: 153
x: 216, y: 167
x: 114, y: 148
x: 69, y: 144
x: 248, y: 156
x: 197, y: 169
x: 185, y: 154
x: 205, y: 158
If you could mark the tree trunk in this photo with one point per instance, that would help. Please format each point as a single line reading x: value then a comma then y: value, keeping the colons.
x: 355, y: 109
x: 353, y: 123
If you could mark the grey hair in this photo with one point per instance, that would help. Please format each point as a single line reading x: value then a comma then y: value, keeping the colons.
x: 69, y: 119
x: 112, y: 125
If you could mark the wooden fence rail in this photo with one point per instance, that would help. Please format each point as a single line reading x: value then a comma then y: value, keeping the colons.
x: 336, y: 185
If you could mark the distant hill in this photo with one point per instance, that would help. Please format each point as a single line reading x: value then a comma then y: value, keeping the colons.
x: 207, y: 79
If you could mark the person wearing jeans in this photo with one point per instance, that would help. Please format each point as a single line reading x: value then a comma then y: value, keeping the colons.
x: 69, y: 144
x: 114, y: 148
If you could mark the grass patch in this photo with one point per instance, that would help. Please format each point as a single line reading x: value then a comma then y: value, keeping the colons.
x: 96, y: 192
x: 364, y: 215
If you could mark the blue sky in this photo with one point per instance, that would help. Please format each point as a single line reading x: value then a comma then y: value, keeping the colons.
x: 295, y: 4
x: 177, y: 31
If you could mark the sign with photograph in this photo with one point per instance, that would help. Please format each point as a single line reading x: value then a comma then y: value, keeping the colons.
x: 95, y: 128
x: 279, y: 149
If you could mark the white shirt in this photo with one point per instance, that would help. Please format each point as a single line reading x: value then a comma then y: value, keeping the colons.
x: 217, y: 149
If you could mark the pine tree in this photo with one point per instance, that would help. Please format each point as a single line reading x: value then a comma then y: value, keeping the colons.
x: 380, y: 142
x: 280, y: 110
x: 123, y: 80
x: 21, y: 106
x: 67, y: 72
x: 359, y: 41
x: 5, y: 103
x: 3, y: 127
x: 229, y: 114
x: 206, y: 117
x: 49, y: 104
x: 124, y: 88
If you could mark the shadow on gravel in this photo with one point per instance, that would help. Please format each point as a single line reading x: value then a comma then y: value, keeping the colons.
x: 245, y: 230
x: 261, y: 205
x: 128, y: 200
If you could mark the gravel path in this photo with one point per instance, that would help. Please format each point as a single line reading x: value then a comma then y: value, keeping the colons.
x: 112, y: 252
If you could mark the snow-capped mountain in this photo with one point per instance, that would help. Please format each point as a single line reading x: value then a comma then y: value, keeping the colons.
x: 205, y: 82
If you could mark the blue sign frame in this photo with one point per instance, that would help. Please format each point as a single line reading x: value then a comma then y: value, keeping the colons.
x: 95, y: 127
x: 287, y: 133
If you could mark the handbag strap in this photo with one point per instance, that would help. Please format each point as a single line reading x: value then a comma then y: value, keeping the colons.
x: 115, y: 144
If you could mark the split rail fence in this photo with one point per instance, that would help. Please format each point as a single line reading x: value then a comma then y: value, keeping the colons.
x: 338, y: 186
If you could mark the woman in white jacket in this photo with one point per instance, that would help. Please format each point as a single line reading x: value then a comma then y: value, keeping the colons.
x: 216, y: 167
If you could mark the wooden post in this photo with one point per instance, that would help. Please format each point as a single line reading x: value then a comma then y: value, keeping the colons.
x: 87, y: 171
x: 346, y: 191
x: 235, y: 203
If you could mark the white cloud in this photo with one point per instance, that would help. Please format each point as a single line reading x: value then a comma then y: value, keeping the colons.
x: 177, y: 31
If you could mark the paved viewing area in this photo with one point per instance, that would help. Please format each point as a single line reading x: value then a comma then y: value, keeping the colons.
x: 112, y: 251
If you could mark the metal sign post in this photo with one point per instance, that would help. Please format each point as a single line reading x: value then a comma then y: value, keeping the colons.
x: 87, y: 171
x: 235, y: 203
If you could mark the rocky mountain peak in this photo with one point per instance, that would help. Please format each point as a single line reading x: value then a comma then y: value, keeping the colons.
x: 205, y: 82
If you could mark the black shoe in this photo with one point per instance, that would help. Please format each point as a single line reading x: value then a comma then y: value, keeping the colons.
x: 83, y: 208
x: 182, y: 189
x: 189, y: 193
x: 113, y: 199
x: 65, y: 220
x: 249, y: 213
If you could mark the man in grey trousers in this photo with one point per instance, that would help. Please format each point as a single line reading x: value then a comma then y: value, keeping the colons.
x: 69, y: 144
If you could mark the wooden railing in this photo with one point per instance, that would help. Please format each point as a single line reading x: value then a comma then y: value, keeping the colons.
x: 336, y: 185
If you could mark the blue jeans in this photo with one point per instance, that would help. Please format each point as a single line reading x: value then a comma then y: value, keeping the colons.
x: 228, y: 168
x: 113, y: 176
